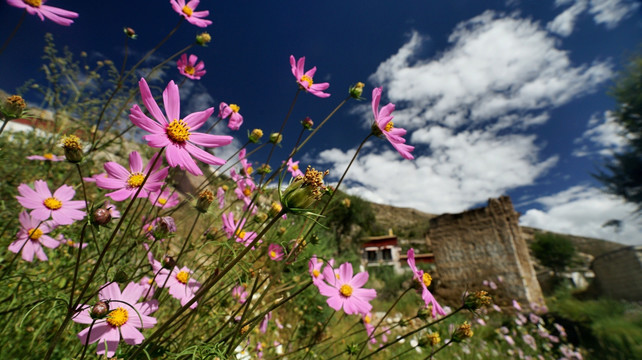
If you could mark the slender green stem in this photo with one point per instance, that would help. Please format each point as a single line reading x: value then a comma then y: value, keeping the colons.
x: 438, y: 350
x: 13, y: 33
x: 381, y: 320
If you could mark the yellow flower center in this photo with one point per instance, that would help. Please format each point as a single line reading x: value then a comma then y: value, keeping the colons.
x: 307, y: 79
x: 272, y: 254
x: 427, y: 279
x: 389, y: 126
x: 346, y: 290
x: 52, y: 203
x: 249, y: 170
x: 316, y: 273
x: 247, y: 191
x: 178, y: 131
x: 367, y: 319
x: 136, y: 180
x: 241, y: 234
x: 162, y: 201
x: 182, y: 276
x: 118, y: 317
x: 48, y: 156
x: 337, y: 276
x: 34, y: 3
x: 235, y: 108
x: 189, y: 70
x: 71, y: 142
x: 150, y: 228
x: 295, y: 167
x: 150, y: 281
x: 70, y: 243
x: 187, y: 10
x: 35, y: 234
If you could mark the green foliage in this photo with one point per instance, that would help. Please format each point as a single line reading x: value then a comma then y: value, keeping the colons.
x: 623, y: 173
x: 609, y: 328
x: 350, y: 218
x: 553, y: 251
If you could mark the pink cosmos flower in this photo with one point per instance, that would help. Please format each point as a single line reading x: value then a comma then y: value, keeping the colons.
x: 305, y: 80
x: 58, y: 206
x: 37, y: 7
x: 314, y: 268
x: 293, y: 168
x: 240, y: 294
x: 367, y: 323
x: 386, y: 127
x: 94, y: 177
x: 181, y: 284
x: 125, y: 317
x: 235, y: 230
x: 46, y: 157
x: 264, y: 323
x: 187, y: 11
x: 246, y: 167
x: 148, y: 287
x: 165, y: 199
x: 189, y: 67
x: 346, y: 292
x: 424, y: 280
x: 220, y: 195
x: 244, y: 188
x: 275, y: 252
x: 126, y: 183
x: 32, y: 236
x: 63, y: 240
x: 178, y: 135
x: 231, y: 111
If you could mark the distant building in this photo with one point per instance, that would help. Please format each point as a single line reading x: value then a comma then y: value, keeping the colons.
x: 378, y: 251
x: 619, y: 273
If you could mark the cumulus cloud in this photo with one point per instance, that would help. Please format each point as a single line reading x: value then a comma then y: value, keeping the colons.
x: 497, y: 66
x: 469, y: 111
x: 583, y: 211
x: 604, y: 136
x: 604, y: 12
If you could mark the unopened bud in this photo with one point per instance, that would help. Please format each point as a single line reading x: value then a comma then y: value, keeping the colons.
x: 255, y: 135
x: 130, y: 33
x: 307, y: 123
x: 245, y: 329
x: 264, y: 169
x: 476, y: 300
x: 356, y: 90
x: 404, y: 322
x: 203, y: 38
x: 423, y: 313
x: 225, y: 187
x: 168, y: 262
x: 13, y: 107
x: 260, y: 217
x: 462, y: 332
x: 99, y: 310
x: 73, y: 149
x: 101, y: 216
x: 276, y: 138
x: 205, y: 198
x: 275, y: 209
x: 314, y: 239
x: 281, y: 231
x: 120, y: 276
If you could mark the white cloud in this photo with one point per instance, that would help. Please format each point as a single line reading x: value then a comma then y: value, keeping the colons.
x: 611, y: 12
x: 497, y: 66
x: 604, y: 134
x: 564, y: 23
x: 583, y: 211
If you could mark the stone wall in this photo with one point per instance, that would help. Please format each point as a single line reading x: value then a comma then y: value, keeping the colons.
x: 484, y: 244
x: 619, y: 273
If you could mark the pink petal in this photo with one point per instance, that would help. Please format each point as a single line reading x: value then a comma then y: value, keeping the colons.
x: 172, y: 101
x: 98, y: 331
x: 130, y: 334
x: 203, y: 155
x: 115, y: 170
x: 64, y: 193
x: 197, y: 119
x: 109, y: 183
x: 150, y: 103
x: 359, y: 280
x: 139, y: 119
x: 135, y: 162
x: 110, y: 292
x: 121, y: 195
x: 208, y: 140
x: 42, y: 188
x: 157, y: 140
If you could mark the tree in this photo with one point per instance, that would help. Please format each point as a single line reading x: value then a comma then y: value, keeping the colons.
x: 553, y: 251
x: 622, y: 175
x: 349, y: 217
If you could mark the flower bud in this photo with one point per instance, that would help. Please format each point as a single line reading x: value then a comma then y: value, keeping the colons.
x: 424, y: 313
x: 99, y: 310
x: 276, y: 138
x: 275, y: 209
x: 260, y: 217
x: 462, y: 332
x: 203, y: 38
x: 304, y: 191
x: 314, y: 239
x: 168, y: 262
x: 476, y: 300
x: 72, y: 147
x: 281, y: 231
x: 307, y: 123
x: 356, y: 90
x: 120, y: 276
x: 225, y: 187
x: 404, y: 322
x: 101, y: 216
x: 264, y: 169
x: 13, y: 107
x: 255, y: 135
x: 130, y: 33
x: 167, y: 225
x: 433, y: 339
x: 205, y: 198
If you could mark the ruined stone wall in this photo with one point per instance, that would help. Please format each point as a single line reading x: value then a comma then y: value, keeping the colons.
x: 619, y: 273
x: 482, y: 244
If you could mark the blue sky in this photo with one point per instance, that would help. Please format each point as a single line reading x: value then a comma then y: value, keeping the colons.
x: 499, y: 97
